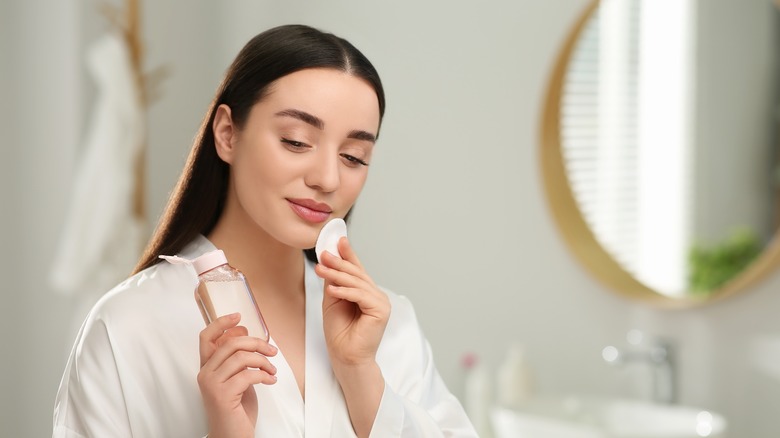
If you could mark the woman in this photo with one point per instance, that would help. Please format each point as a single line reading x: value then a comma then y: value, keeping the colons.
x: 285, y: 147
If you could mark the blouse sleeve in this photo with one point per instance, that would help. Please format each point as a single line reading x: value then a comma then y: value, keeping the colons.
x: 416, y: 401
x: 90, y: 401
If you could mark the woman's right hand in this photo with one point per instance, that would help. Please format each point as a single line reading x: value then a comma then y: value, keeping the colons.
x: 229, y: 367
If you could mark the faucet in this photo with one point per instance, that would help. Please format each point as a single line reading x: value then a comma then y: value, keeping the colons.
x: 658, y: 353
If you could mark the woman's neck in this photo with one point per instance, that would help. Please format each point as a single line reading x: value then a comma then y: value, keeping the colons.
x: 269, y: 265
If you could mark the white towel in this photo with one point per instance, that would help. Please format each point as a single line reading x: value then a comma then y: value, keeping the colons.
x: 102, y: 239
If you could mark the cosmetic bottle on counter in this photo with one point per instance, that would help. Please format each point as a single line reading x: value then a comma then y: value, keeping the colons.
x: 222, y: 290
x: 513, y: 379
x: 477, y: 394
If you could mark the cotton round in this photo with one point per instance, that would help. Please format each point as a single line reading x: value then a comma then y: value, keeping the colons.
x: 328, y: 239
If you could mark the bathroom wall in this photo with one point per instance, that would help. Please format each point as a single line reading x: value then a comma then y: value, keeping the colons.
x: 453, y: 215
x: 41, y: 117
x: 49, y: 97
x: 736, y: 56
x: 6, y: 198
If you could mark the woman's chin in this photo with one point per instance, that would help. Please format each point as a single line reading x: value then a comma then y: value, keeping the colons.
x: 302, y: 244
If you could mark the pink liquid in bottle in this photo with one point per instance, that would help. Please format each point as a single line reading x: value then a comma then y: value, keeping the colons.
x: 222, y: 290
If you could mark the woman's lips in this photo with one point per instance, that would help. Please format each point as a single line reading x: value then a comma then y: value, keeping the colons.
x: 310, y: 210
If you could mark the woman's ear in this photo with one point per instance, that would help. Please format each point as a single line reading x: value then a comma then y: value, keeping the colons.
x: 224, y: 133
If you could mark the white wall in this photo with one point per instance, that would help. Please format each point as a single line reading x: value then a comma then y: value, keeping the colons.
x: 458, y: 149
x: 7, y: 221
x: 453, y: 215
x: 42, y: 82
x: 44, y: 76
x: 736, y: 49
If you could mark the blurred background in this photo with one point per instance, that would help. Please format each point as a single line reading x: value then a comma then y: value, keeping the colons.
x: 453, y: 216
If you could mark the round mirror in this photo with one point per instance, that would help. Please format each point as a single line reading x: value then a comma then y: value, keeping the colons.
x: 661, y: 146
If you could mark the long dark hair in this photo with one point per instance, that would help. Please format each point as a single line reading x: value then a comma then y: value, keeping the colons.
x: 199, y: 196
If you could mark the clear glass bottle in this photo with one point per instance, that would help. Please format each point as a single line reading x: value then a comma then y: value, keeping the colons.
x: 222, y: 289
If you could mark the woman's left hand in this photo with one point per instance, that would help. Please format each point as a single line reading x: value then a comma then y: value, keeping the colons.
x: 354, y: 310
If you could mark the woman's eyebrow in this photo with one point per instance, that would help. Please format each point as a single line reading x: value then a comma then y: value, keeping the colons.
x: 302, y: 116
x: 319, y: 124
x: 362, y: 135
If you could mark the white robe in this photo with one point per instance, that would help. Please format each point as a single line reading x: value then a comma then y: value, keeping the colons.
x: 133, y: 370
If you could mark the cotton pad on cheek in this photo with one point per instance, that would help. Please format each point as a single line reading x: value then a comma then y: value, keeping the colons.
x: 328, y: 239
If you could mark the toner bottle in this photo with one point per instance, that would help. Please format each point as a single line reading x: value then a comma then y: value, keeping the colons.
x: 223, y: 290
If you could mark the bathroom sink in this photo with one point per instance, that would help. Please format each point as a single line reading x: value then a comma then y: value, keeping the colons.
x: 597, y: 417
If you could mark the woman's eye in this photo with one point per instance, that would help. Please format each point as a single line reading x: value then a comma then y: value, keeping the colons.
x: 294, y: 144
x: 354, y: 160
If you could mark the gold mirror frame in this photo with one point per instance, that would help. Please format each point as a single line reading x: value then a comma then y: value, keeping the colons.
x: 578, y: 235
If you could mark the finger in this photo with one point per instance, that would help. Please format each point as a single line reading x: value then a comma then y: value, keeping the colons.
x: 234, y: 344
x: 241, y: 360
x: 213, y: 331
x: 217, y: 327
x: 242, y: 381
x: 376, y: 304
x: 347, y: 253
x: 336, y: 262
x: 232, y: 332
x: 341, y: 278
x: 239, y: 383
x: 348, y: 262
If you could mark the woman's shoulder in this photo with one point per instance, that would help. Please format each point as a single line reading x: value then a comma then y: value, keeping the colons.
x: 145, y: 288
x: 137, y: 348
x: 160, y: 288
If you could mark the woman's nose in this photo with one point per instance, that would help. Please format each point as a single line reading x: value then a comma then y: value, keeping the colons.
x: 323, y: 173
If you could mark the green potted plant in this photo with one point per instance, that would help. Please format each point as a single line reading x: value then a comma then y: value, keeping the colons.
x: 714, y: 265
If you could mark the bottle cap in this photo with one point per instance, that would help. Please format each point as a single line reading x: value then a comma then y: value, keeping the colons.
x: 209, y: 261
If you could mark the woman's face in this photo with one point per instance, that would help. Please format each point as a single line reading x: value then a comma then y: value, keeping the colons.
x: 301, y: 157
